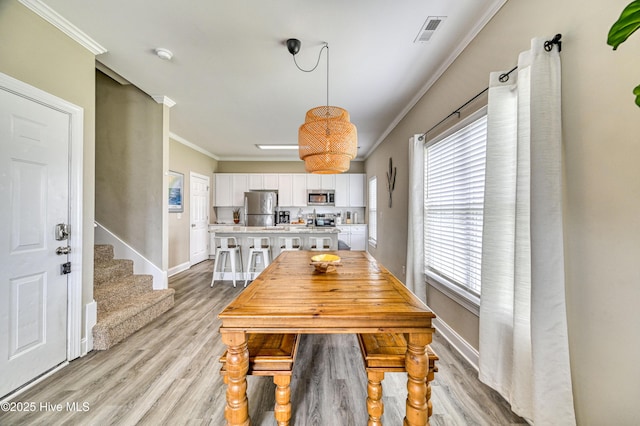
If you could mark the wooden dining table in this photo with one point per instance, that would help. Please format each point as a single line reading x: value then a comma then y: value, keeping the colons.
x: 359, y: 296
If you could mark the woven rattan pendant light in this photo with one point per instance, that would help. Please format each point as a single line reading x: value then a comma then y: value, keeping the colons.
x: 327, y: 141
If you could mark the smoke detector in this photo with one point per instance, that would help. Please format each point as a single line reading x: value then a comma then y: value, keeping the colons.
x: 428, y: 28
x: 164, y: 54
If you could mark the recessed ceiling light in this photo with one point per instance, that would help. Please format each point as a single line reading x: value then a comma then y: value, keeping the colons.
x: 164, y: 54
x: 263, y: 146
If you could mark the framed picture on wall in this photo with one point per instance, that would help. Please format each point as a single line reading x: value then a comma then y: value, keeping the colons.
x: 176, y: 192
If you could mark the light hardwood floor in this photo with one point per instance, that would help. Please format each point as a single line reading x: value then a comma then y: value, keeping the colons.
x: 168, y: 373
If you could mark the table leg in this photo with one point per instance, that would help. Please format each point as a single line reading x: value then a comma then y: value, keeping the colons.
x: 237, y: 410
x: 282, y: 410
x: 417, y: 366
x: 375, y: 406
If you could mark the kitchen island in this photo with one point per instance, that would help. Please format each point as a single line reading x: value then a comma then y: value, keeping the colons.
x: 243, y: 233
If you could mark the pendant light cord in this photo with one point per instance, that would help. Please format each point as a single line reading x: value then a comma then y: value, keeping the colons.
x: 326, y: 45
x: 327, y: 113
x: 317, y: 62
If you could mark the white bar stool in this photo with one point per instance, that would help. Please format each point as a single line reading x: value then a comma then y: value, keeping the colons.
x: 227, y: 246
x: 320, y: 243
x: 259, y: 247
x: 289, y: 243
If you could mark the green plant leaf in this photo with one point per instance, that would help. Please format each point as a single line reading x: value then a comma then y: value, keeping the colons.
x: 636, y: 92
x: 627, y: 24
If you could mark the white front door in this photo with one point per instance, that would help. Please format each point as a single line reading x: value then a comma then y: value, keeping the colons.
x: 199, y: 208
x: 34, y: 189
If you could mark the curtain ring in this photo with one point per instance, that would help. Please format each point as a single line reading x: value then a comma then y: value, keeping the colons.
x: 548, y: 45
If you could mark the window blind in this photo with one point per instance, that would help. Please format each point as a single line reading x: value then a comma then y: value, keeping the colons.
x: 454, y: 199
x: 373, y: 210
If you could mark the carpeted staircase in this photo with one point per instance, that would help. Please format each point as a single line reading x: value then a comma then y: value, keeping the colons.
x: 126, y: 302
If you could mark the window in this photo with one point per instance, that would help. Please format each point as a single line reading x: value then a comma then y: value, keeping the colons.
x: 454, y: 200
x: 373, y: 211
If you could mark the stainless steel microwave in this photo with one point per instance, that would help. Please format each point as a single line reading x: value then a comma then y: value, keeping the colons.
x: 321, y: 197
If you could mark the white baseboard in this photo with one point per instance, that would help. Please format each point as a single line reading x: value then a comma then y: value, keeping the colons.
x: 91, y: 318
x: 179, y: 268
x: 467, y: 351
x: 122, y: 250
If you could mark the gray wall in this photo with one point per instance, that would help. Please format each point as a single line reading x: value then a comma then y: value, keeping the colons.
x: 129, y: 166
x: 186, y: 160
x: 602, y: 186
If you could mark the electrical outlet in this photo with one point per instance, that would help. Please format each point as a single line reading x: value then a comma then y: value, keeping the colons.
x: 404, y: 270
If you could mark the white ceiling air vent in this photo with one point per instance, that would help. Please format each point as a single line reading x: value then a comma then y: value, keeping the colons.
x: 430, y: 26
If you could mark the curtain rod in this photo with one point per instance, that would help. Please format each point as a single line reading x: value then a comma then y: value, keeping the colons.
x: 548, y: 45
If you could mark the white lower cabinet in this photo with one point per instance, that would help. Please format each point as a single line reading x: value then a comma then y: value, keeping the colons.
x: 355, y: 236
x: 358, y: 237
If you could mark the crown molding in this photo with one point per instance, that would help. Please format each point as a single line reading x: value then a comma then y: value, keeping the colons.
x: 471, y: 34
x: 111, y: 73
x: 55, y: 19
x: 164, y: 100
x: 193, y: 146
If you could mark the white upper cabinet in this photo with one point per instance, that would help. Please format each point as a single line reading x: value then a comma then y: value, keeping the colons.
x: 239, y: 185
x: 285, y: 190
x: 314, y: 182
x: 270, y: 181
x: 350, y: 190
x: 292, y: 187
x: 223, y: 195
x: 230, y: 189
x: 357, y: 190
x: 321, y: 181
x: 342, y: 190
x: 328, y: 181
x: 299, y: 189
x: 263, y: 181
x: 292, y: 190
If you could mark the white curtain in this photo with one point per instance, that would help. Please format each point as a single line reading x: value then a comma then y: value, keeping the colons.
x: 524, y: 352
x: 415, y: 280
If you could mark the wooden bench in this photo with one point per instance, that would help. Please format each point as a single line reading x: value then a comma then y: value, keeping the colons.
x: 272, y: 355
x: 385, y: 352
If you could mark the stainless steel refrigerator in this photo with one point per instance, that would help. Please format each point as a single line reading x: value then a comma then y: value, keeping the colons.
x: 260, y: 208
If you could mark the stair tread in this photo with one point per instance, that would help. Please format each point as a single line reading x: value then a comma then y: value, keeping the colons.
x: 105, y: 272
x: 134, y: 306
x: 111, y: 262
x: 120, y: 291
x: 123, y: 283
x: 126, y: 301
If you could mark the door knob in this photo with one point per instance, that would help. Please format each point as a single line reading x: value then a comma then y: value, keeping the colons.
x: 63, y: 250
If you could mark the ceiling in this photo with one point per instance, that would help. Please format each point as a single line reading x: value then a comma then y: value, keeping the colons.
x: 233, y: 81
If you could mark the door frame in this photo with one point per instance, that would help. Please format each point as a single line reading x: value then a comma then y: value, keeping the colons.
x: 76, y: 136
x: 201, y: 176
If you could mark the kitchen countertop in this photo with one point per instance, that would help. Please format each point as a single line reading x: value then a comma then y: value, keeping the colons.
x: 280, y: 229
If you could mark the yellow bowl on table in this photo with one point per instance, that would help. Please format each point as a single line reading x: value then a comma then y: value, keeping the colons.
x: 325, y: 262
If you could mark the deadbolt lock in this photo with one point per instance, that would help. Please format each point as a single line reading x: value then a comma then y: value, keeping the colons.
x: 62, y: 232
